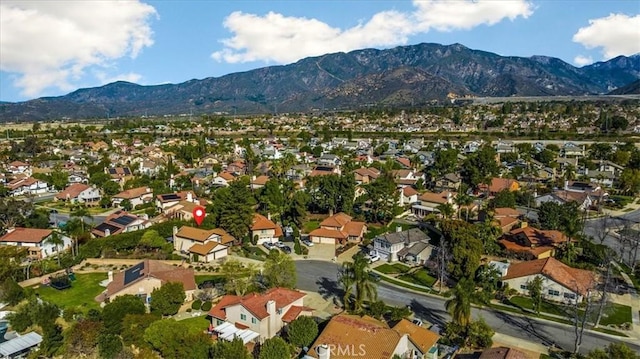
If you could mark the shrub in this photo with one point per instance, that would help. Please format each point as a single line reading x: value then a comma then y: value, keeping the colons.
x: 196, y: 304
x: 206, y: 306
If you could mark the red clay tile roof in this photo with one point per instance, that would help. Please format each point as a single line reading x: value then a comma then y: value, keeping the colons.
x: 421, y: 337
x: 329, y: 233
x: 26, y: 235
x: 404, y: 161
x: 226, y: 176
x: 260, y: 180
x: 578, y: 280
x: 353, y: 331
x: 354, y: 229
x: 261, y: 222
x: 218, y: 310
x: 257, y: 303
x: 155, y: 269
x: 409, y: 191
x: 502, y: 353
x: 337, y: 220
x: 541, y: 237
x: 499, y: 184
x: 516, y: 248
x: 294, y: 312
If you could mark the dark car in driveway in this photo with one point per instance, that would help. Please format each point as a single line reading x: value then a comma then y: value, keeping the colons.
x: 285, y: 249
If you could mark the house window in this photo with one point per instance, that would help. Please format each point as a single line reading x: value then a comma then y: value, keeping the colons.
x: 554, y: 292
x: 253, y: 320
x: 569, y: 295
x: 524, y: 286
x: 243, y: 317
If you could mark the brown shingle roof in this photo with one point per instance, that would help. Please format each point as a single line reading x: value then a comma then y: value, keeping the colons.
x: 354, y: 229
x: 26, y: 235
x: 421, y: 337
x: 260, y: 180
x: 72, y: 191
x: 541, y: 237
x: 261, y: 222
x: 578, y: 280
x: 437, y: 197
x: 196, y: 234
x: 204, y: 249
x: 156, y: 269
x: 357, y: 332
x: 133, y: 193
x: 506, y: 212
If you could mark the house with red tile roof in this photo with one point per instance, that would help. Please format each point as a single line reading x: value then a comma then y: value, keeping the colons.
x: 530, y: 242
x: 17, y: 167
x: 223, y: 179
x: 365, y: 175
x: 80, y: 193
x: 264, y: 314
x: 338, y: 229
x: 500, y: 184
x: 142, y: 278
x: 560, y: 282
x: 352, y: 336
x: 258, y: 182
x: 265, y: 229
x: 27, y: 185
x: 505, y: 218
x: 35, y: 241
x: 430, y: 201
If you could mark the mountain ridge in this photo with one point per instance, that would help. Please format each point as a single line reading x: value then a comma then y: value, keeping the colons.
x: 411, y: 74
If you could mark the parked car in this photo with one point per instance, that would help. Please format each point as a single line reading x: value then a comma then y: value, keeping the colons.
x: 307, y: 242
x: 374, y: 276
x: 286, y: 249
x: 280, y: 244
x: 374, y: 258
x: 269, y: 246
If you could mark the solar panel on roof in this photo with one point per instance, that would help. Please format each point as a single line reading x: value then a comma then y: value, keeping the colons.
x: 171, y: 196
x: 133, y: 273
x: 103, y: 227
x: 123, y: 221
x: 112, y: 171
x: 126, y: 171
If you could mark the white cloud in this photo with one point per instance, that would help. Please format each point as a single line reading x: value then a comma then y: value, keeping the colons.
x: 616, y: 34
x: 106, y: 79
x: 282, y: 39
x: 582, y: 60
x: 50, y: 44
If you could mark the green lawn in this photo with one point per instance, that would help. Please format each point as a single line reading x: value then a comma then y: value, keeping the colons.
x: 82, y: 292
x: 419, y: 277
x: 546, y: 307
x: 310, y: 226
x: 616, y: 314
x: 406, y: 285
x: 197, y: 324
x: 214, y: 277
x: 395, y: 268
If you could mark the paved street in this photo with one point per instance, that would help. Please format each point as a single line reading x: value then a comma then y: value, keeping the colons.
x: 321, y: 277
x: 595, y: 227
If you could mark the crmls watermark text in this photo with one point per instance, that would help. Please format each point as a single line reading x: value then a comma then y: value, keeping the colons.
x: 350, y: 350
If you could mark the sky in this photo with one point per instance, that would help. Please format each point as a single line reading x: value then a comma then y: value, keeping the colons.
x: 50, y: 48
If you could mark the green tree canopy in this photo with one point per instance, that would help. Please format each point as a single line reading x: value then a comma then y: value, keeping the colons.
x: 274, y: 348
x: 232, y: 208
x: 174, y: 340
x: 302, y: 331
x: 115, y: 311
x: 167, y: 299
x: 503, y: 199
x: 618, y: 350
x: 234, y: 349
x: 238, y: 277
x: 465, y: 247
x: 279, y: 270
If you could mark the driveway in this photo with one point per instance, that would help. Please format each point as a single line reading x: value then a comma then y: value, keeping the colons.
x: 321, y: 277
x: 322, y: 252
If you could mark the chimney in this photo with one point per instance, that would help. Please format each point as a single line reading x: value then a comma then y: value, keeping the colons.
x: 110, y: 276
x: 268, y: 215
x: 398, y: 228
x: 566, y: 185
x: 189, y: 197
x: 107, y: 232
x: 253, y: 178
x: 273, y: 318
x: 148, y: 189
x: 11, y: 229
x: 323, y: 351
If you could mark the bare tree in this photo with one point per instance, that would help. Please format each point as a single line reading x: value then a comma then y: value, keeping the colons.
x: 602, y: 231
x: 603, y: 293
x: 580, y: 318
x: 443, y: 261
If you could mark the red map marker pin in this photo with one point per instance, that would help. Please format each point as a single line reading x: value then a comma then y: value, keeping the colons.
x: 198, y: 214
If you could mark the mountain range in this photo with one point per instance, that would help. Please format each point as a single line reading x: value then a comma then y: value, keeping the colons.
x: 397, y: 77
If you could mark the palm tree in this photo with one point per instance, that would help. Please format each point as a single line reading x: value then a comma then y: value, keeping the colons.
x: 446, y: 209
x: 459, y: 306
x: 365, y: 287
x: 463, y: 199
x: 81, y: 212
x: 56, y: 240
x: 346, y: 280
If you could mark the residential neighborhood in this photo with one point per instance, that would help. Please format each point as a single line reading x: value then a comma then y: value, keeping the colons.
x: 315, y: 244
